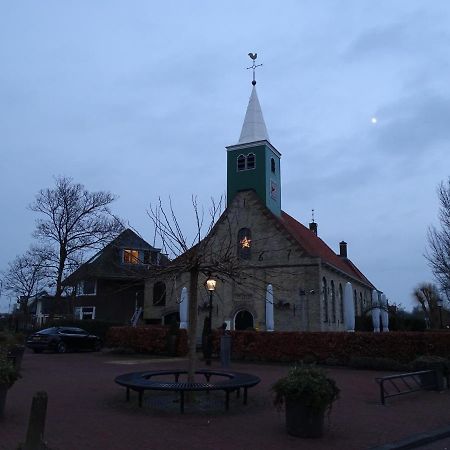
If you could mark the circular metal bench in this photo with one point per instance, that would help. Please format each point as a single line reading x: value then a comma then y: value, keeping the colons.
x: 230, y: 382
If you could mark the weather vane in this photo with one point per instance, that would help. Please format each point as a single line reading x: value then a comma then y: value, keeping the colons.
x: 312, y: 214
x: 253, y: 56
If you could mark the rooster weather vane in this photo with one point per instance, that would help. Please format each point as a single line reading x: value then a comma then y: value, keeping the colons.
x: 253, y: 56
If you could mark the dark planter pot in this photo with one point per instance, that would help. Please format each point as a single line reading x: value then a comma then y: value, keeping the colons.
x: 3, y: 391
x: 15, y: 353
x: 301, y: 421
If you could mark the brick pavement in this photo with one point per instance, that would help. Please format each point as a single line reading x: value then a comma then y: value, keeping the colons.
x: 87, y: 410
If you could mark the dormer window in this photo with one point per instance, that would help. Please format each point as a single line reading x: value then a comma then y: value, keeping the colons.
x: 151, y: 257
x: 130, y: 256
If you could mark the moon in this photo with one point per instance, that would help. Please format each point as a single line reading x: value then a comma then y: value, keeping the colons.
x: 374, y: 120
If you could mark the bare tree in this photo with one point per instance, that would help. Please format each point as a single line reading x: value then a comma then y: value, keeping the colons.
x: 72, y: 221
x: 427, y: 296
x: 213, y: 251
x: 24, y: 275
x: 201, y: 257
x: 438, y: 254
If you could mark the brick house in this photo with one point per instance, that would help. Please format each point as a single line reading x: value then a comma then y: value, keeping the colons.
x: 110, y: 285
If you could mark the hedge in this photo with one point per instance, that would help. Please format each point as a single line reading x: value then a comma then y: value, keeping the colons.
x: 146, y: 339
x: 341, y: 347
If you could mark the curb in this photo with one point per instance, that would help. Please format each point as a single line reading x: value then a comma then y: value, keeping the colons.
x: 416, y: 440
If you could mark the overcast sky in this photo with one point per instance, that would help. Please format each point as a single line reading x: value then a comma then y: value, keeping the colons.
x: 140, y: 98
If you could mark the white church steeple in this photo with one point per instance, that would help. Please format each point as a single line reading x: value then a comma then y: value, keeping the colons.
x: 254, y: 128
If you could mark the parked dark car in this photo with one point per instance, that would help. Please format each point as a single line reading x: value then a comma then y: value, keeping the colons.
x: 62, y: 339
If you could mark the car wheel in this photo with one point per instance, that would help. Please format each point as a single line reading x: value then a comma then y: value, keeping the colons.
x: 37, y: 350
x: 62, y: 347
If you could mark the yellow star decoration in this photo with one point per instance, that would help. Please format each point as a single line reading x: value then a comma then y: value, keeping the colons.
x: 245, y: 242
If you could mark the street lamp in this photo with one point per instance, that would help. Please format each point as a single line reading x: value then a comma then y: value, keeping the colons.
x: 439, y: 303
x: 211, y: 287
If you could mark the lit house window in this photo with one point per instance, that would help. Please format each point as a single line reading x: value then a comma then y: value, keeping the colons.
x: 130, y: 256
x: 244, y: 243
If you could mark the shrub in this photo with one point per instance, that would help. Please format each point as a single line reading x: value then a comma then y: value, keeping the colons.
x: 432, y: 362
x: 9, y: 339
x: 402, y: 347
x: 8, y: 373
x: 308, y: 385
x: 146, y: 339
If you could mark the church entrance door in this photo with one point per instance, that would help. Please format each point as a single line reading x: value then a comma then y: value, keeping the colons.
x: 243, y: 320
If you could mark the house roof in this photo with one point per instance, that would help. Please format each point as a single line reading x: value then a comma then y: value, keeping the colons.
x: 316, y: 247
x: 107, y: 262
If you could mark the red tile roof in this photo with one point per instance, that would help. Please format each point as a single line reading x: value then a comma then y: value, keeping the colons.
x: 315, y: 247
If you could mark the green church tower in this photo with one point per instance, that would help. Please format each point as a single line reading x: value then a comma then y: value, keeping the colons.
x: 254, y: 163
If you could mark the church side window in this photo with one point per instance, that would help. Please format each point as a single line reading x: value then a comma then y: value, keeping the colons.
x: 241, y: 163
x: 325, y: 299
x: 250, y: 161
x: 333, y: 302
x: 159, y: 293
x: 272, y: 165
x: 361, y: 305
x: 341, y: 301
x: 355, y: 301
x: 244, y: 243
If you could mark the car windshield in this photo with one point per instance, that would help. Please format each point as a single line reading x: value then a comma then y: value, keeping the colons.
x: 48, y: 331
x: 72, y: 331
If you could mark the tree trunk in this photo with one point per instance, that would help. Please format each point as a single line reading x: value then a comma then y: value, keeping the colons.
x: 61, y: 264
x: 192, y: 331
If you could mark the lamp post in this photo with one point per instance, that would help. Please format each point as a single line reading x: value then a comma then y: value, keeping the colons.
x: 211, y: 287
x: 439, y: 304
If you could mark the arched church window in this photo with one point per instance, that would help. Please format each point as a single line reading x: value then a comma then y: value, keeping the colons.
x: 250, y: 161
x: 272, y: 165
x: 333, y: 302
x: 325, y: 299
x: 241, y: 162
x: 355, y: 301
x: 341, y: 301
x: 244, y: 243
x: 361, y: 304
x: 159, y: 293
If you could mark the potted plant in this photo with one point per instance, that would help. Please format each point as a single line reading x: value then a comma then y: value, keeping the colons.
x: 307, y: 394
x: 14, y: 345
x: 8, y: 375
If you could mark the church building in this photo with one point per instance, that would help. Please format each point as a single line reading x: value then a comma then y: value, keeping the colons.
x: 289, y: 278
